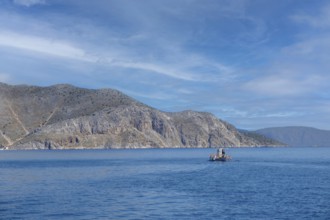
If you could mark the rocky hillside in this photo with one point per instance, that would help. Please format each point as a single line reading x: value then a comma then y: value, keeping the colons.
x: 297, y: 136
x: 67, y: 117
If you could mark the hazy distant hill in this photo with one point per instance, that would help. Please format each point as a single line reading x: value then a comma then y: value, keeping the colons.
x: 67, y: 117
x: 262, y: 138
x: 298, y: 136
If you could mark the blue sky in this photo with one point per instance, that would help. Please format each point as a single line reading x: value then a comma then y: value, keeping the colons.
x: 253, y: 63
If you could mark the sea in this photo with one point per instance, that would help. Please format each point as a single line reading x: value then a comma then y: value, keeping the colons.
x: 258, y: 183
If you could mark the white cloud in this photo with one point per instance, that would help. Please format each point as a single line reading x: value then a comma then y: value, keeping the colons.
x: 315, y: 48
x: 43, y: 45
x: 148, y: 51
x: 66, y: 50
x: 185, y: 91
x: 299, y: 69
x: 320, y: 20
x: 280, y: 114
x: 156, y: 68
x: 284, y: 84
x: 28, y: 3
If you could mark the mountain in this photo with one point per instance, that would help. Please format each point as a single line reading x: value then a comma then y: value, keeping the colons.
x: 67, y: 117
x: 262, y: 138
x: 298, y: 136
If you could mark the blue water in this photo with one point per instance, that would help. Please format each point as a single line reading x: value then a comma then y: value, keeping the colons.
x: 259, y: 183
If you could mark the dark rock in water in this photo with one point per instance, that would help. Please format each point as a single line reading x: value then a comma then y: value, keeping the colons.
x: 67, y: 117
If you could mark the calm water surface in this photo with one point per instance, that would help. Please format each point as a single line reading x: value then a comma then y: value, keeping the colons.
x: 259, y: 183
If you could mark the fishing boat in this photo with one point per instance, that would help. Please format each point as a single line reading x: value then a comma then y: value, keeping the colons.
x: 219, y: 156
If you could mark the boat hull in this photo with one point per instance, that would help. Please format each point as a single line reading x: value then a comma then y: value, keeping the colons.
x: 223, y: 158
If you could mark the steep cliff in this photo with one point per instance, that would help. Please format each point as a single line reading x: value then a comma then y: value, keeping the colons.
x: 67, y: 117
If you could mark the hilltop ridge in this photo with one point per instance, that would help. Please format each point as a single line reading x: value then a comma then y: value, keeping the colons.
x: 67, y: 117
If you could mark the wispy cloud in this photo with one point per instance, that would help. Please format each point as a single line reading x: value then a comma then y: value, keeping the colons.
x: 320, y: 19
x: 284, y: 84
x: 310, y: 49
x: 42, y: 45
x: 231, y: 58
x: 149, y: 50
x: 158, y: 69
x: 67, y: 50
x: 28, y: 3
x: 279, y: 114
x: 301, y: 67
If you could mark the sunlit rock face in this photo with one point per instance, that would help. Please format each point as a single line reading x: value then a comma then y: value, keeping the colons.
x: 67, y: 117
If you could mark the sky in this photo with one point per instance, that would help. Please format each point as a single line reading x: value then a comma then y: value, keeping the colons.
x: 253, y: 63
